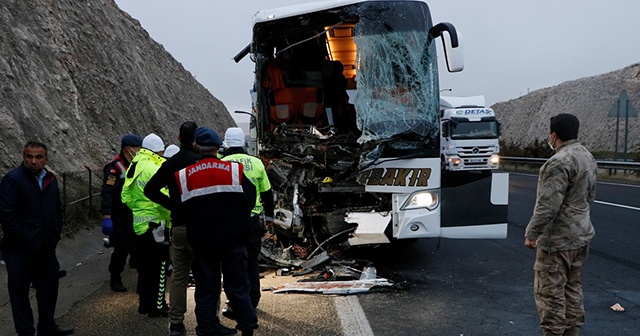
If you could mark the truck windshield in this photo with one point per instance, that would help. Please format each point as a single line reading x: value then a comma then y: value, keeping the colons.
x: 396, y: 70
x: 474, y: 130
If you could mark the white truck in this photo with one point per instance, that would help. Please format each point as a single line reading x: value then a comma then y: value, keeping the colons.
x: 469, y: 134
x: 346, y: 107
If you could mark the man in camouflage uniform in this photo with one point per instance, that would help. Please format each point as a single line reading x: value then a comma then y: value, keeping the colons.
x: 560, y: 229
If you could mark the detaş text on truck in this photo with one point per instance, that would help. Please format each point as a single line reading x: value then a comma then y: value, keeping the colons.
x: 346, y: 113
x: 469, y: 134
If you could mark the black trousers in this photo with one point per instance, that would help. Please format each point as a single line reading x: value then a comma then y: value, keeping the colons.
x: 206, y: 269
x: 123, y: 241
x: 254, y: 244
x: 41, y: 270
x: 153, y: 262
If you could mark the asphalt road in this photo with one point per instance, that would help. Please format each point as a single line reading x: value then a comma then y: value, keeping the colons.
x: 448, y: 287
x: 484, y: 287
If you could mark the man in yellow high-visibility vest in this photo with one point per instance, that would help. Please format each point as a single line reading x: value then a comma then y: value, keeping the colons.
x: 150, y: 222
x: 254, y: 170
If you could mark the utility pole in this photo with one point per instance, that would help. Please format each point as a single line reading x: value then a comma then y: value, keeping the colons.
x: 626, y: 128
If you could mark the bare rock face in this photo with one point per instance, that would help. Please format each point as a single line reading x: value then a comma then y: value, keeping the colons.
x: 77, y: 75
x: 590, y: 99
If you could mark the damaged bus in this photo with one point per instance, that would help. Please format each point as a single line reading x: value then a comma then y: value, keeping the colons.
x: 346, y: 118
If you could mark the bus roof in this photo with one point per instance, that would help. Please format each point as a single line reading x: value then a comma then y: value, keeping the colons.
x: 289, y: 11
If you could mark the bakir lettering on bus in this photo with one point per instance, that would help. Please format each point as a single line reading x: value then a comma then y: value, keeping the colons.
x: 397, y: 177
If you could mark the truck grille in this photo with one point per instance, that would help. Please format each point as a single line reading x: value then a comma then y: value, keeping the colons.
x: 475, y: 155
x: 475, y: 151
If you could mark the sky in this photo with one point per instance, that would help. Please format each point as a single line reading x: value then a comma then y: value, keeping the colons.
x: 511, y: 47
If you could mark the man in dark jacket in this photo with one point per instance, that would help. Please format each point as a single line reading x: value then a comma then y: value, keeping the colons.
x: 31, y: 218
x: 180, y: 249
x: 218, y: 199
x: 117, y: 219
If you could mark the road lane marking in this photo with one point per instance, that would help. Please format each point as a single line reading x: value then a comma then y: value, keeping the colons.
x: 352, y: 318
x: 619, y: 184
x: 619, y: 205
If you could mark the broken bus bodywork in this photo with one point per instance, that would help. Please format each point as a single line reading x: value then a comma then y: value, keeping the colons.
x: 346, y: 116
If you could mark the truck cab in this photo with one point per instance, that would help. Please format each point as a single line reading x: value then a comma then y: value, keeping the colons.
x: 469, y: 134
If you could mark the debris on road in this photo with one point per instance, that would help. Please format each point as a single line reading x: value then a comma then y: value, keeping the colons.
x: 334, y: 287
x: 328, y: 273
x: 338, y: 279
x: 315, y: 261
x: 617, y: 308
x: 283, y: 272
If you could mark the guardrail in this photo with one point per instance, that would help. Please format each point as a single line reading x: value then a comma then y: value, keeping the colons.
x: 622, y: 165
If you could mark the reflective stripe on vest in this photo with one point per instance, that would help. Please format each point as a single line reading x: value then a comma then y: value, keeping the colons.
x: 197, y: 180
x: 122, y: 168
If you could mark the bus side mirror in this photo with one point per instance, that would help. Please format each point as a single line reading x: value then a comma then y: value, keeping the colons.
x: 499, y: 129
x: 445, y: 129
x: 252, y: 120
x: 453, y: 51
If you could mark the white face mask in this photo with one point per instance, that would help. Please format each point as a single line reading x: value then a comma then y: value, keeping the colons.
x: 550, y: 143
x: 133, y: 153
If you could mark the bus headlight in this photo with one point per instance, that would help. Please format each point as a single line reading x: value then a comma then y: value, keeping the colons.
x: 495, y: 159
x: 421, y: 199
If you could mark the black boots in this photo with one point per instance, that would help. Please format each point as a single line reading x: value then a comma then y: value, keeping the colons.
x: 116, y: 284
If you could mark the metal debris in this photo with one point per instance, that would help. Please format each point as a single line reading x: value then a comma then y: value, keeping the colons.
x: 283, y: 272
x: 279, y: 256
x: 315, y: 261
x: 342, y: 280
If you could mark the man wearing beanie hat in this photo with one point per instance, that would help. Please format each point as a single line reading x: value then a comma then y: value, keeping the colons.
x: 218, y: 199
x: 149, y: 223
x: 117, y: 219
x: 180, y: 249
x: 254, y: 169
x: 234, y: 137
x: 153, y: 143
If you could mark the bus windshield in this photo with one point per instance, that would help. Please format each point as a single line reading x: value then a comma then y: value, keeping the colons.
x: 396, y: 70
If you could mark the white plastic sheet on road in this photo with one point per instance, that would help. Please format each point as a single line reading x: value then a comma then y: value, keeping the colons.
x: 334, y: 287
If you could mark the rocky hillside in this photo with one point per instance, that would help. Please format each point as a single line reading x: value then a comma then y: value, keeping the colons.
x: 590, y: 99
x: 77, y: 75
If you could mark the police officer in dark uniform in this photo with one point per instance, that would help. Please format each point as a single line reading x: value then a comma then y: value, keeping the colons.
x: 117, y: 220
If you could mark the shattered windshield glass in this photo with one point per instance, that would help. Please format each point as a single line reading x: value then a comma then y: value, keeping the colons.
x: 474, y: 130
x: 397, y: 79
